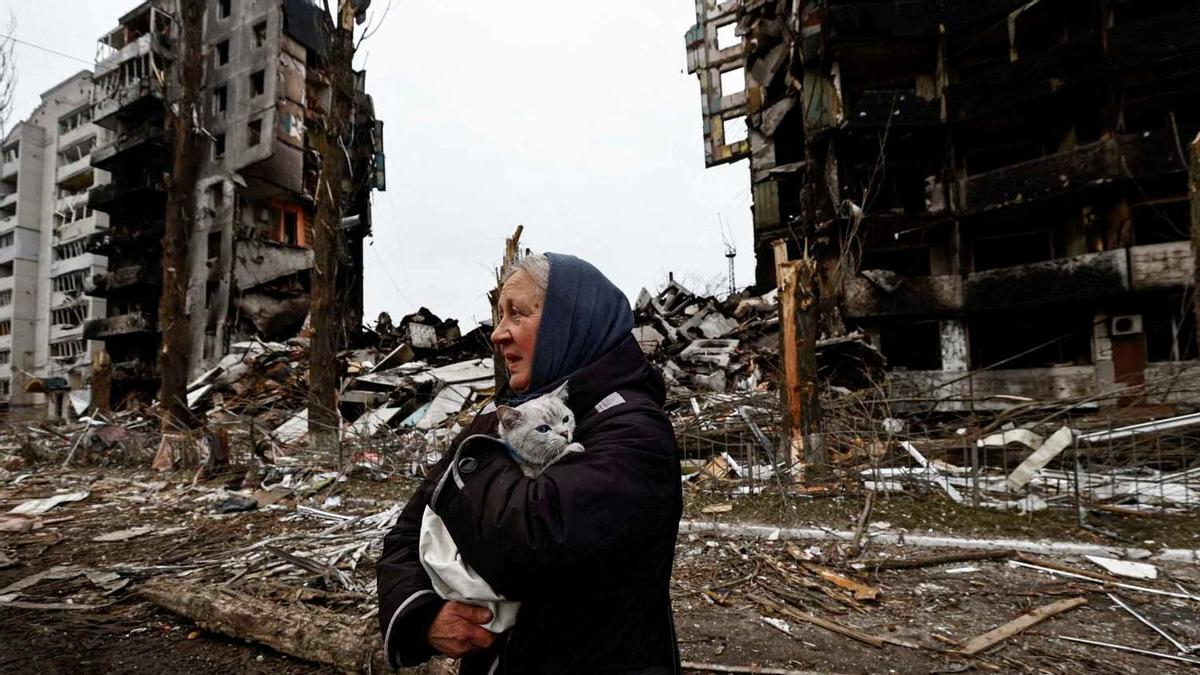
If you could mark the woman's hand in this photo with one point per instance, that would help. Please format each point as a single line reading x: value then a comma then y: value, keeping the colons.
x: 457, y: 630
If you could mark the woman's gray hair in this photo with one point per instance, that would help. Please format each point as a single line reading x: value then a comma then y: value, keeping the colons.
x: 537, y: 266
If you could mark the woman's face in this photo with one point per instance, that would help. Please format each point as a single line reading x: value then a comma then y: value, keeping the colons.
x: 516, y: 333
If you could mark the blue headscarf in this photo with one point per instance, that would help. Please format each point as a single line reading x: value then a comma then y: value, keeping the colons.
x: 584, y: 317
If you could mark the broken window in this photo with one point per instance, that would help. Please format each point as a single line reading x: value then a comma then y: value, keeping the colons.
x: 258, y: 83
x: 219, y: 146
x: 67, y: 349
x: 915, y: 345
x: 1170, y: 328
x: 77, y: 151
x: 222, y: 52
x: 216, y: 196
x: 1010, y: 250
x: 727, y: 36
x: 907, y: 262
x: 73, y: 120
x: 12, y: 153
x: 5, y: 357
x: 733, y: 82
x: 254, y: 133
x: 7, y: 239
x: 213, y: 246
x: 71, y: 249
x: 291, y: 234
x: 220, y: 99
x: 71, y: 213
x: 69, y: 315
x: 6, y: 270
x: 5, y: 387
x: 69, y: 282
x: 260, y: 34
x: 735, y: 130
x: 1158, y: 221
x: 6, y: 297
x: 284, y: 223
x: 5, y: 327
x: 224, y: 9
x: 1033, y: 337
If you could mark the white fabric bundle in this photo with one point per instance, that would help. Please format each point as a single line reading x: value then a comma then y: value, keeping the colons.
x: 453, y: 579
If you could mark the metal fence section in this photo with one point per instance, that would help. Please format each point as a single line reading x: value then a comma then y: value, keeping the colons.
x: 1089, y: 464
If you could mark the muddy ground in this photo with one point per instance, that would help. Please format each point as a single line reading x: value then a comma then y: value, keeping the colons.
x: 923, y: 614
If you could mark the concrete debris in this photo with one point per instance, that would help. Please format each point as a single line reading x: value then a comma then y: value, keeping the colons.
x: 36, y: 507
x: 710, y: 346
x: 1125, y: 568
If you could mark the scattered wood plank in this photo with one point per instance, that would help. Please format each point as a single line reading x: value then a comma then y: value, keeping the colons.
x: 308, y: 633
x: 861, y: 529
x: 817, y: 621
x: 806, y: 582
x: 942, y: 559
x: 860, y: 590
x: 719, y: 668
x: 1002, y: 633
x: 20, y: 604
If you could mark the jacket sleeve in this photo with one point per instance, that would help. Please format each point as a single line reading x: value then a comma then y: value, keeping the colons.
x: 407, y: 601
x: 524, y: 535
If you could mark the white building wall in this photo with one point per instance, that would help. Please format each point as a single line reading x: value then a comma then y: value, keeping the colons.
x: 54, y: 175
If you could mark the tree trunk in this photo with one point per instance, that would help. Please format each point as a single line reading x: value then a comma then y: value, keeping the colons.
x: 331, y: 143
x: 181, y: 214
x: 1194, y: 191
x: 797, y: 345
x: 305, y: 632
x: 299, y: 630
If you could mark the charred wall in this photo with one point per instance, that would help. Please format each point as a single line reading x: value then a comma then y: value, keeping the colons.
x: 994, y: 167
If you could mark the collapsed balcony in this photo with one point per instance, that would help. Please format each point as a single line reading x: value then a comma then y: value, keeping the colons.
x: 147, y: 143
x: 120, y: 326
x: 127, y: 190
x: 1089, y: 277
x: 1144, y: 155
x: 123, y: 280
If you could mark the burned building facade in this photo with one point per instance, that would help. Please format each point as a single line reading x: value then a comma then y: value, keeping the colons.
x: 1002, y: 185
x: 250, y: 253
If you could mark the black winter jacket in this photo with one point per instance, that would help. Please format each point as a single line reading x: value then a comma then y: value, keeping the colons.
x: 587, y: 547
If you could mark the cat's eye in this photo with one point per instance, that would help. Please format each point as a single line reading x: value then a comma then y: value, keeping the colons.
x: 544, y: 428
x: 566, y: 419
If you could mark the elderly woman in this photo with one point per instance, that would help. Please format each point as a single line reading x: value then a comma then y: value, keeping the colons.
x: 587, y: 546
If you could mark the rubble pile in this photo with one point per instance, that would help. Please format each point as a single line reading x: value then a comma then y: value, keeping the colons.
x: 731, y: 346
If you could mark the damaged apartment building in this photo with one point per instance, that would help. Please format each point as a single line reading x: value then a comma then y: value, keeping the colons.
x: 1004, y: 182
x: 266, y: 78
x: 45, y: 219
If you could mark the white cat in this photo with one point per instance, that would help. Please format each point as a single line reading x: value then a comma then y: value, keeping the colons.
x: 538, y: 433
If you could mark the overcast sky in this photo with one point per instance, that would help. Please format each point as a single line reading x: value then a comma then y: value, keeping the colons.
x: 577, y: 121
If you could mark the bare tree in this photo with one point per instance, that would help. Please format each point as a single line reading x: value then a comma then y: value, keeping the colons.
x: 183, y: 120
x: 331, y: 136
x: 8, y: 72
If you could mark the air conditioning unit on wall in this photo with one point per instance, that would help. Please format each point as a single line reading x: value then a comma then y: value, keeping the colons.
x: 1127, y: 324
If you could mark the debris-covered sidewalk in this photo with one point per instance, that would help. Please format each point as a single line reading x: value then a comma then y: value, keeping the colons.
x: 97, y: 557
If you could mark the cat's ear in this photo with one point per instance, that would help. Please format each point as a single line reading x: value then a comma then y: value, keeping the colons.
x: 561, y: 392
x: 509, y: 417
